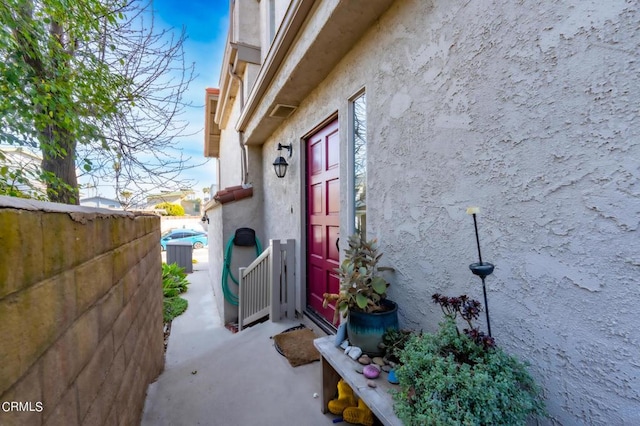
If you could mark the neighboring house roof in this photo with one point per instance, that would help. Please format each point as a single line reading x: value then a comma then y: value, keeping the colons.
x: 101, y: 202
x: 21, y: 152
x: 168, y: 197
x: 23, y: 158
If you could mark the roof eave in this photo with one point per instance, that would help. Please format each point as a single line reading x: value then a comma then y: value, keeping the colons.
x: 211, y: 128
x: 331, y: 30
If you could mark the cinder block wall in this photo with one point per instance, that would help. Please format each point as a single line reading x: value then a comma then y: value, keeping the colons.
x: 80, y: 314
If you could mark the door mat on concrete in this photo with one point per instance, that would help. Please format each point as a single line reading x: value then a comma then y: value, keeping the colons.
x: 297, y: 346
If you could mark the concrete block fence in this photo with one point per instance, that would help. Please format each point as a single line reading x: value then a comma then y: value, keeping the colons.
x: 80, y: 314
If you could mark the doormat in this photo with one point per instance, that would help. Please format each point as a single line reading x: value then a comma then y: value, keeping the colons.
x: 296, y: 344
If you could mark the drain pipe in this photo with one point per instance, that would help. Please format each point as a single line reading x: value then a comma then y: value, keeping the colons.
x: 243, y: 148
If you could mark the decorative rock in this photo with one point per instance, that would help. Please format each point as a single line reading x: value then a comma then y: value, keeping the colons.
x: 378, y: 361
x: 392, y: 364
x: 364, y: 360
x: 347, y: 350
x: 386, y: 368
x: 370, y: 371
x: 359, y: 369
x: 344, y: 344
x: 372, y: 384
x: 392, y: 377
x: 355, y: 352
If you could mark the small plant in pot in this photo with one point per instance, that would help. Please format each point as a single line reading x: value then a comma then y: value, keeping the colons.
x: 452, y: 378
x: 363, y: 296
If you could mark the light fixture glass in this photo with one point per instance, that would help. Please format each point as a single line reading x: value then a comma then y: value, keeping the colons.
x: 280, y: 166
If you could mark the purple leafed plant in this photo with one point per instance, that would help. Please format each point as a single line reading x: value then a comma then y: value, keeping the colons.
x: 469, y: 310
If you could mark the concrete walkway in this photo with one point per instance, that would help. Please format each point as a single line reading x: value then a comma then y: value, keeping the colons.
x: 214, y: 377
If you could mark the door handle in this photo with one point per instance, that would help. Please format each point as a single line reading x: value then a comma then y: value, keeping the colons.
x: 337, y: 246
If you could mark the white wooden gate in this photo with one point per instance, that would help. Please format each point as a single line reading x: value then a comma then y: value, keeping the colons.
x: 267, y: 285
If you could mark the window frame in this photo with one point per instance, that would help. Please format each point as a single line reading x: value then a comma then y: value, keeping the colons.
x: 351, y: 154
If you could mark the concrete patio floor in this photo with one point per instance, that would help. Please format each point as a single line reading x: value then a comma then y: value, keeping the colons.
x: 215, y: 377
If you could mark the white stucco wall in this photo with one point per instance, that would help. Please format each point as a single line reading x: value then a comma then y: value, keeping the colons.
x: 246, y: 22
x: 230, y: 153
x: 216, y: 255
x: 278, y: 8
x: 529, y: 111
x: 224, y: 220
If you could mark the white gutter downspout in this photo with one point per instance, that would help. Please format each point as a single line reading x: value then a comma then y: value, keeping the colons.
x: 243, y: 148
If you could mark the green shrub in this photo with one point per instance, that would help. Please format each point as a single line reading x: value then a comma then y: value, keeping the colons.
x: 452, y: 378
x: 174, y: 282
x: 171, y: 209
x: 173, y: 307
x: 393, y: 343
x: 174, y: 279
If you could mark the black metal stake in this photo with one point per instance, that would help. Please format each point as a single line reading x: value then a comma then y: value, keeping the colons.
x: 486, y: 306
x: 475, y: 225
x: 482, y: 270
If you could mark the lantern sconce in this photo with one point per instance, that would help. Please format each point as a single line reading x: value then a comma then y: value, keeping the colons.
x: 280, y: 164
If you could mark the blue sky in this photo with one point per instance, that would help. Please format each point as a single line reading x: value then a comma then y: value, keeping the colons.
x: 206, y: 23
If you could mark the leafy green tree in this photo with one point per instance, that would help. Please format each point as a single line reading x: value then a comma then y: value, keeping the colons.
x: 125, y: 198
x: 95, y: 86
x: 171, y: 209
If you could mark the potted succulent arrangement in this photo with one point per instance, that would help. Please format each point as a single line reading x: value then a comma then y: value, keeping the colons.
x: 454, y: 377
x: 363, y: 296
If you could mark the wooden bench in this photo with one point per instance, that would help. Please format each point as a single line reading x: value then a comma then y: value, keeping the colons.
x: 335, y: 365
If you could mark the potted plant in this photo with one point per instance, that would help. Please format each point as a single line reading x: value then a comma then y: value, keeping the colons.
x: 462, y: 378
x: 363, y: 296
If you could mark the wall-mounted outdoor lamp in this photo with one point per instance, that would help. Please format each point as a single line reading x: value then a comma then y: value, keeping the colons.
x: 280, y: 165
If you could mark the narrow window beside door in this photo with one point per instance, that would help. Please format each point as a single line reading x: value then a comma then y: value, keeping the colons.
x: 359, y: 126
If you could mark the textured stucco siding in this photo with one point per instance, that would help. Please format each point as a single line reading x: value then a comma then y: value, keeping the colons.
x: 224, y: 219
x: 216, y: 254
x: 279, y: 9
x: 230, y: 153
x: 536, y: 120
x: 531, y: 112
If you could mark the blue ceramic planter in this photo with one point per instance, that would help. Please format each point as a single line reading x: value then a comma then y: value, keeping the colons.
x: 365, y: 330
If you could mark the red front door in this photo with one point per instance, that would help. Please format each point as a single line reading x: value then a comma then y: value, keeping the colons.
x: 323, y: 222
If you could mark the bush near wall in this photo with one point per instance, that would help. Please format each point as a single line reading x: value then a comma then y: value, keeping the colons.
x: 171, y: 209
x: 174, y: 282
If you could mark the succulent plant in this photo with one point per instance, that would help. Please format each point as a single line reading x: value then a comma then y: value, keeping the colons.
x: 361, y: 286
x: 454, y: 378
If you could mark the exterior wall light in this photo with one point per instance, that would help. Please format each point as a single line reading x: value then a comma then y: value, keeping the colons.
x: 280, y: 165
